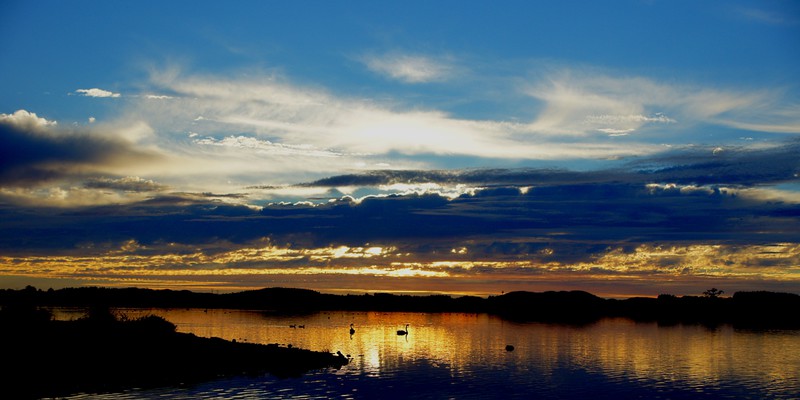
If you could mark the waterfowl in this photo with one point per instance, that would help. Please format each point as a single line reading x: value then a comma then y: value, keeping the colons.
x: 402, y: 332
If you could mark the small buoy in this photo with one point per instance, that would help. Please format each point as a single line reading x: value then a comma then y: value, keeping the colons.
x: 509, y: 347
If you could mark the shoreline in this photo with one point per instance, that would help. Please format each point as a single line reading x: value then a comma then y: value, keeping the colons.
x: 103, y: 352
x: 757, y: 309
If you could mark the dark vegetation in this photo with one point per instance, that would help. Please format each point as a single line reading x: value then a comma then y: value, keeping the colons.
x: 743, y: 309
x: 104, y: 352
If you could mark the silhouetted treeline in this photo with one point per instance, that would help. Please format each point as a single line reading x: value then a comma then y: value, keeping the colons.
x: 104, y: 352
x: 745, y: 309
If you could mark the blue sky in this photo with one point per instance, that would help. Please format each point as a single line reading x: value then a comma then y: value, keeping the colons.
x: 148, y: 107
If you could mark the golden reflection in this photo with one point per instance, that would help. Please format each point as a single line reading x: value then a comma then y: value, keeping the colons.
x: 465, y: 344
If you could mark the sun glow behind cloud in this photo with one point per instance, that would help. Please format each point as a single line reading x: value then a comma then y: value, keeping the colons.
x: 660, y: 266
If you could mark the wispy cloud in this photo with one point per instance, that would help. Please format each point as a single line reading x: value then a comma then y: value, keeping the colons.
x: 266, y: 147
x: 126, y: 184
x: 410, y: 68
x: 95, y: 92
x: 767, y: 17
x: 579, y: 103
x: 292, y: 115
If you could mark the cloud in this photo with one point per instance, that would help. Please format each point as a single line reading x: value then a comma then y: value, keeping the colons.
x: 291, y: 115
x: 266, y: 122
x: 624, y: 120
x: 566, y: 213
x: 768, y: 17
x: 95, y: 92
x: 700, y: 165
x: 34, y: 150
x: 126, y: 184
x: 559, y: 233
x: 25, y: 120
x: 410, y: 68
x: 683, y: 215
x: 610, y: 119
x: 266, y: 147
x: 578, y: 103
x: 724, y: 166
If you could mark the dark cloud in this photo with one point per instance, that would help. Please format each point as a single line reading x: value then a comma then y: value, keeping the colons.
x: 694, y: 165
x: 499, y: 176
x: 681, y: 198
x: 731, y: 166
x: 578, y: 221
x: 31, y: 154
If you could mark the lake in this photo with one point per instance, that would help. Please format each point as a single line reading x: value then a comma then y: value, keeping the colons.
x: 457, y: 355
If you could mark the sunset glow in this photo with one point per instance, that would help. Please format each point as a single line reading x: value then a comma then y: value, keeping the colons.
x: 357, y: 147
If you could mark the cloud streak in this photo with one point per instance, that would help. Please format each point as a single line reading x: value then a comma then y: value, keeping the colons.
x: 694, y: 165
x: 410, y: 68
x: 579, y: 113
x: 95, y: 92
x: 294, y: 116
x: 126, y: 184
x: 579, y: 103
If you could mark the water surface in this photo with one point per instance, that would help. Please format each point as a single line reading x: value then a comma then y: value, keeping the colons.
x: 456, y: 355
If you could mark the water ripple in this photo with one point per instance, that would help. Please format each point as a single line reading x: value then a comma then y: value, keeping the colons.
x: 463, y: 356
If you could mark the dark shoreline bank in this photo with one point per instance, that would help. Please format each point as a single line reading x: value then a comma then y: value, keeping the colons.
x: 102, y: 352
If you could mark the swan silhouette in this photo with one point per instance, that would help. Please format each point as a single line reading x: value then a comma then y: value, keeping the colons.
x: 352, y: 330
x: 402, y: 332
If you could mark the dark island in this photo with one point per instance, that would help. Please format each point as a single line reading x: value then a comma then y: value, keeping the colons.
x: 103, y: 352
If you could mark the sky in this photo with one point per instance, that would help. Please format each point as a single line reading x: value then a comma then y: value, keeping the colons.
x: 625, y: 148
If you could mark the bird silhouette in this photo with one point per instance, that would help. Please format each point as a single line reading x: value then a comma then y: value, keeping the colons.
x: 352, y: 330
x: 402, y: 332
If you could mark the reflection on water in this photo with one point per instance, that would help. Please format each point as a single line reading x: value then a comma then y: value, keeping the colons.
x: 464, y: 356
